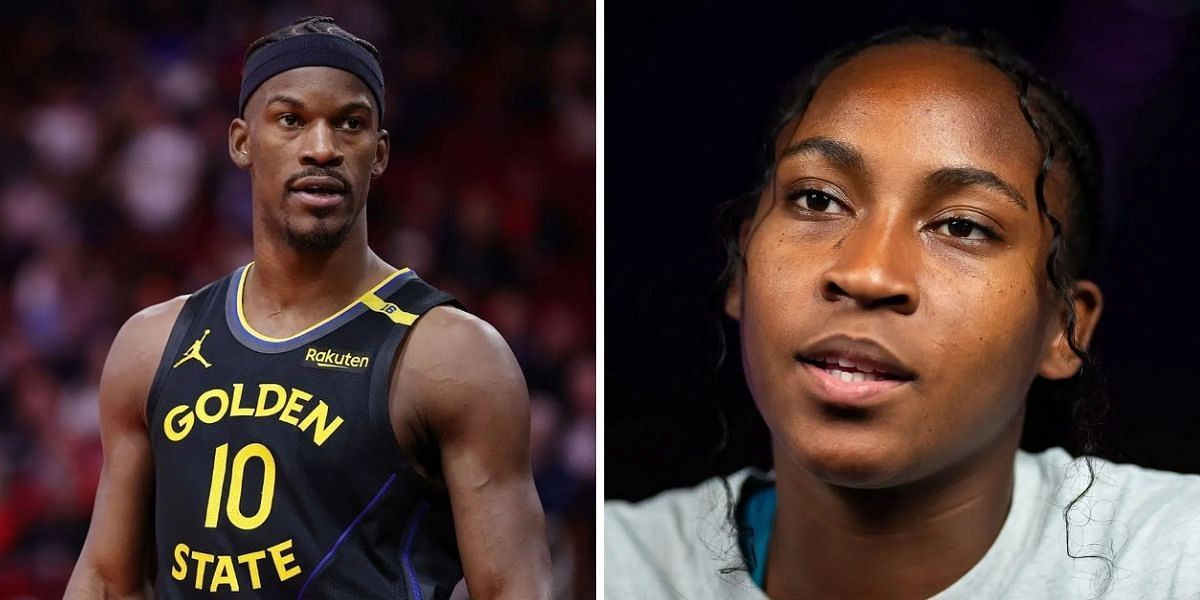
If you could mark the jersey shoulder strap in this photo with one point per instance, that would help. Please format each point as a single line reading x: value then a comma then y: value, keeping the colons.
x: 191, y: 307
x: 416, y: 297
x: 408, y: 302
x: 413, y: 299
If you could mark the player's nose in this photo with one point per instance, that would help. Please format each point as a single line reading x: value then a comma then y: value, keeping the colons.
x: 321, y: 146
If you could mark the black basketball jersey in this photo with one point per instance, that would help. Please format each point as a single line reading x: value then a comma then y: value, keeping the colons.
x: 277, y: 472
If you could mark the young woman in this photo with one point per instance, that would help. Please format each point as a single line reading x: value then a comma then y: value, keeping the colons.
x: 907, y: 278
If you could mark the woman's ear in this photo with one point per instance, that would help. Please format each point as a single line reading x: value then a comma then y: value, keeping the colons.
x: 733, y: 293
x: 733, y: 296
x: 1059, y: 361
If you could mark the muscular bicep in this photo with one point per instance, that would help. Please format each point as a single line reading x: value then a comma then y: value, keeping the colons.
x: 113, y: 561
x: 113, y: 557
x: 470, y: 393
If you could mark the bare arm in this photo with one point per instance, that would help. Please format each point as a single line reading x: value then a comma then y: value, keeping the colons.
x: 113, y: 561
x: 459, y: 378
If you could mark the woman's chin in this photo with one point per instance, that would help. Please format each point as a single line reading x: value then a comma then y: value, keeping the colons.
x: 858, y: 462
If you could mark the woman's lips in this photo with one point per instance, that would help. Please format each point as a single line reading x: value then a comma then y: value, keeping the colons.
x: 849, y: 387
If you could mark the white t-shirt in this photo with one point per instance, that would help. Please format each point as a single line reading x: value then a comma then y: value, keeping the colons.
x: 676, y: 544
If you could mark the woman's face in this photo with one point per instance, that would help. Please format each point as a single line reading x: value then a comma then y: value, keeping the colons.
x: 895, y: 307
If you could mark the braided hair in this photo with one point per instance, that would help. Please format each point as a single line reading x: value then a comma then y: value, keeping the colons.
x: 1065, y: 135
x: 306, y: 26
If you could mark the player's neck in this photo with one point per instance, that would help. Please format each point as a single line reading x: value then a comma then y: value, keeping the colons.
x: 912, y: 541
x: 287, y: 289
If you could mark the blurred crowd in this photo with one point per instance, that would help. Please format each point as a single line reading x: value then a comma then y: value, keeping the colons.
x: 117, y: 192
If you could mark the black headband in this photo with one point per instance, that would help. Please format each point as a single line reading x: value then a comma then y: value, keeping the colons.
x: 311, y: 50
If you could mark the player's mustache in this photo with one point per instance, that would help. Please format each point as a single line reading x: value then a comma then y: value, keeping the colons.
x: 290, y: 184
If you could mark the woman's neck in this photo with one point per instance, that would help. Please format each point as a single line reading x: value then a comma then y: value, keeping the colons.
x: 909, y: 541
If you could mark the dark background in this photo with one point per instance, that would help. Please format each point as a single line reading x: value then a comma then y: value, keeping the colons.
x: 117, y: 192
x: 691, y: 88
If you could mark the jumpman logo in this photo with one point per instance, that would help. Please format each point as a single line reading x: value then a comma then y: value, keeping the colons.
x: 194, y: 352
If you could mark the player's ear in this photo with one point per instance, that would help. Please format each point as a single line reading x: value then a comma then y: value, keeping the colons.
x: 1059, y: 361
x: 382, y: 148
x: 239, y: 144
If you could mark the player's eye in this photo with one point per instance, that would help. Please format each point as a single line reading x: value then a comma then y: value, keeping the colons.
x: 352, y: 124
x: 289, y: 120
x: 816, y: 201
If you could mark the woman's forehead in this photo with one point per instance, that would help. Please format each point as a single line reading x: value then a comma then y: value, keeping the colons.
x: 923, y: 106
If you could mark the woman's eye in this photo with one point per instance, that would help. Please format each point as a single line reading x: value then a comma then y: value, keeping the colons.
x: 816, y: 201
x: 964, y: 229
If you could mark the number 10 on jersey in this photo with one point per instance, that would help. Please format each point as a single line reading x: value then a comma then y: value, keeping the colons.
x: 237, y: 471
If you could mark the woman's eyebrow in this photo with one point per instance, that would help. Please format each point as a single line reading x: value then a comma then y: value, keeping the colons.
x: 959, y: 177
x: 841, y: 154
x: 847, y: 157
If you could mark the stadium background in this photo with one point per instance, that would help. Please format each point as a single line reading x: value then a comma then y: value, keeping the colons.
x: 117, y: 192
x: 691, y: 88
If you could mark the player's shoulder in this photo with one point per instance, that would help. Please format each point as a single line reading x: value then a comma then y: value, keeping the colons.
x: 156, y: 316
x: 449, y: 341
x: 452, y: 360
x: 149, y: 325
x: 134, y: 356
x: 457, y: 324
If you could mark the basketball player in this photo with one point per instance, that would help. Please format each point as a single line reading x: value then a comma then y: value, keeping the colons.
x: 318, y: 423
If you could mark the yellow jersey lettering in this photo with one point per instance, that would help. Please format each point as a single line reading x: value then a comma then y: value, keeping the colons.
x: 229, y: 571
x: 215, y: 488
x: 293, y: 406
x: 202, y: 559
x: 233, y: 507
x: 202, y: 405
x: 280, y: 396
x: 393, y: 312
x: 320, y: 415
x: 223, y: 574
x: 281, y: 560
x: 237, y: 410
x: 176, y: 430
x: 336, y: 359
x: 179, y: 571
x: 250, y: 559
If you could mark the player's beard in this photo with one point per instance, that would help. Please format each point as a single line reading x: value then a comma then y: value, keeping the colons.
x: 324, y: 237
x: 327, y: 234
